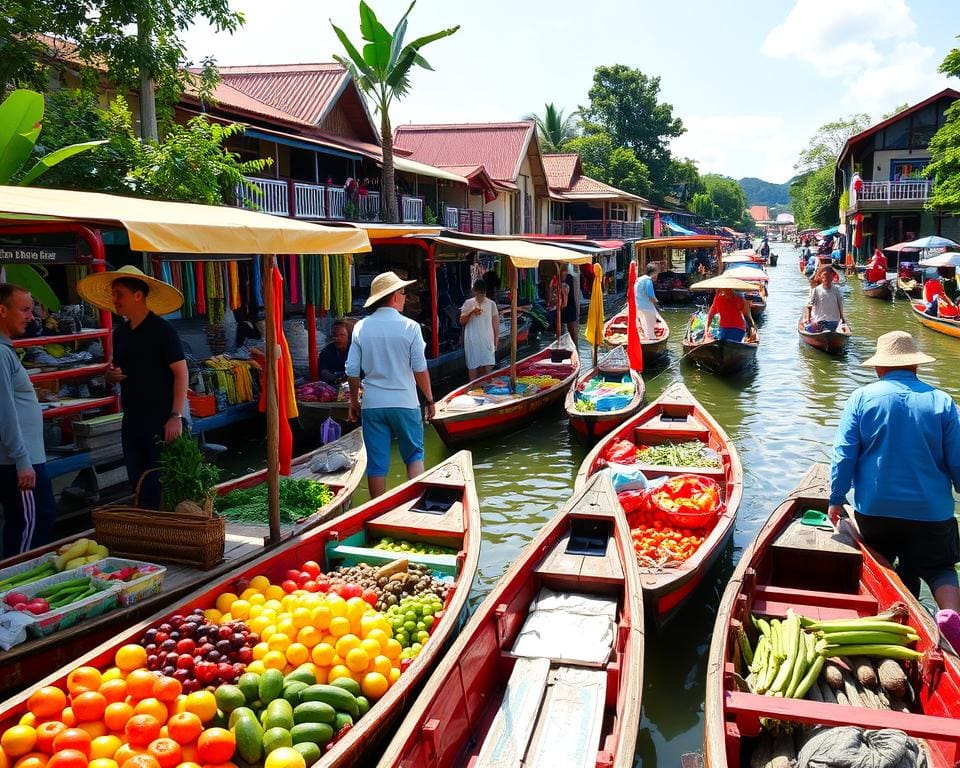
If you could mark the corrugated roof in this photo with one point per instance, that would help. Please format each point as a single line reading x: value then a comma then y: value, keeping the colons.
x: 498, y: 147
x: 759, y: 213
x: 562, y: 169
x: 306, y: 91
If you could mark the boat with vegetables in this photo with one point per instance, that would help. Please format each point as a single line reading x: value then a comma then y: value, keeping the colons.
x: 828, y: 341
x: 509, y: 693
x: 719, y: 356
x: 682, y: 521
x: 944, y: 325
x: 286, y: 661
x: 818, y: 646
x: 487, y: 406
x: 615, y: 335
x: 241, y: 501
x: 604, y: 396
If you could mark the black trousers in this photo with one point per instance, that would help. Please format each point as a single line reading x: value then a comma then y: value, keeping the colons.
x: 28, y: 516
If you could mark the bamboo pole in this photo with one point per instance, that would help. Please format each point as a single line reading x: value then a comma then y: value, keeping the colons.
x: 272, y: 416
x: 513, y: 327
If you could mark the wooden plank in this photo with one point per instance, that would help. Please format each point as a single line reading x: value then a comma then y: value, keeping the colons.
x: 559, y: 563
x: 571, y: 720
x: 865, y: 605
x: 798, y: 536
x: 403, y: 517
x: 606, y: 568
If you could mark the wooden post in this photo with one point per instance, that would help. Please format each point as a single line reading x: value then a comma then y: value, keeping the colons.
x: 311, y: 320
x: 513, y: 327
x: 272, y: 416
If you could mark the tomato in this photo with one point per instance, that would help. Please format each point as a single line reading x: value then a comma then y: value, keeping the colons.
x: 288, y: 586
x: 312, y: 567
x: 293, y: 574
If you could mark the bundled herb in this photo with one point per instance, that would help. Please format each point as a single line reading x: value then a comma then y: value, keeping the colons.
x: 690, y: 454
x: 298, y: 499
x: 184, y: 474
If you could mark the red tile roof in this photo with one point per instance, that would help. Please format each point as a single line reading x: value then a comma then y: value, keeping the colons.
x: 305, y: 91
x: 759, y: 213
x: 498, y: 147
x: 562, y: 169
x: 567, y: 182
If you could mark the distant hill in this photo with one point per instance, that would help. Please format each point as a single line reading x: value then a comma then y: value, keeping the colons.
x: 760, y: 192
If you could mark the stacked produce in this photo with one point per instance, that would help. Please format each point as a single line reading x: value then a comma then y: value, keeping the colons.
x: 54, y: 596
x: 689, y: 454
x: 598, y: 394
x: 412, y: 619
x: 321, y: 392
x: 68, y: 557
x: 385, y: 586
x: 400, y: 546
x: 299, y: 499
x: 234, y: 378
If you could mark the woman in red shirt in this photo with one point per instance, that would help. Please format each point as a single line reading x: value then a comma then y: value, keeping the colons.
x: 734, y: 312
x: 938, y: 303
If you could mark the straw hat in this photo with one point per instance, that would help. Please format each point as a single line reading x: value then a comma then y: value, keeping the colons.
x: 383, y: 285
x: 97, y: 289
x: 897, y: 349
x: 721, y: 282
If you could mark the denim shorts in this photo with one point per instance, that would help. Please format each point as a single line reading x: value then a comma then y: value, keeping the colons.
x: 380, y: 426
x: 731, y: 334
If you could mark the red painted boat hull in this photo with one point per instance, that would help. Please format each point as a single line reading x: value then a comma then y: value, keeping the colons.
x: 652, y: 349
x: 590, y: 426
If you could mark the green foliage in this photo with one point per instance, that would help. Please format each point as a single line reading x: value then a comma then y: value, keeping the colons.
x: 896, y: 110
x: 299, y: 498
x: 624, y: 105
x: 684, y: 179
x: 760, y: 192
x: 702, y: 205
x: 554, y: 128
x: 618, y: 166
x: 24, y: 54
x: 184, y: 474
x: 726, y: 195
x: 944, y: 167
x: 828, y: 141
x: 814, y: 198
x: 429, y: 217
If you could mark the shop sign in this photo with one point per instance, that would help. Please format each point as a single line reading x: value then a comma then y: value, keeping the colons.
x: 38, y: 254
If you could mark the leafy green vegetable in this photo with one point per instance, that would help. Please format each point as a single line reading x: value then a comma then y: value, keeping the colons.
x: 298, y: 499
x: 184, y: 474
x: 690, y: 454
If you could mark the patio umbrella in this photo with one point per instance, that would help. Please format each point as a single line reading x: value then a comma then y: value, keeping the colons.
x: 901, y: 248
x: 750, y: 274
x: 594, y: 331
x: 721, y: 282
x: 948, y: 259
x: 932, y: 241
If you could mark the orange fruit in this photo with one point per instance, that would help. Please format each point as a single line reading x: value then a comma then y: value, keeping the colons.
x: 93, y: 728
x: 68, y: 758
x: 125, y: 753
x: 105, y: 746
x: 166, y: 689
x: 88, y: 706
x: 84, y: 679
x: 228, y: 764
x: 188, y: 753
x: 166, y: 752
x: 67, y: 717
x: 184, y: 727
x: 103, y: 762
x: 72, y: 738
x: 114, y: 690
x: 28, y: 718
x: 216, y: 745
x: 140, y: 683
x: 46, y: 733
x: 140, y: 730
x: 203, y: 704
x: 141, y: 761
x: 32, y: 760
x: 47, y: 701
x: 18, y: 740
x: 357, y: 660
x: 116, y: 715
x: 337, y: 671
x: 186, y: 765
x: 130, y: 657
x: 151, y: 706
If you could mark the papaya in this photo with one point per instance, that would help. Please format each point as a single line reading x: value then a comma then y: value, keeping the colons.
x: 316, y: 733
x: 249, y: 737
x: 314, y: 712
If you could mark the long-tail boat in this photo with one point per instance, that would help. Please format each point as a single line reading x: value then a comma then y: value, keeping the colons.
x: 508, y: 694
x: 485, y: 406
x: 615, y: 335
x: 439, y: 507
x: 882, y: 289
x: 821, y: 571
x: 589, y: 426
x: 945, y: 325
x: 828, y: 341
x: 34, y: 658
x: 720, y: 355
x: 908, y: 287
x: 677, y: 417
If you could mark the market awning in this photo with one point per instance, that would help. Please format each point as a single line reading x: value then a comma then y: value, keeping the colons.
x: 522, y: 253
x: 422, y: 169
x: 180, y: 228
x: 689, y: 241
x: 377, y: 231
x: 829, y: 232
x: 676, y: 227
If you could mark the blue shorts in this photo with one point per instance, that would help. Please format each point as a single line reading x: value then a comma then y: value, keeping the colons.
x: 731, y: 334
x: 380, y: 426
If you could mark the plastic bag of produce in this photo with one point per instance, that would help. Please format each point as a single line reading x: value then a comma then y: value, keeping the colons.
x: 690, y: 501
x: 620, y: 452
x: 13, y: 628
x: 626, y: 477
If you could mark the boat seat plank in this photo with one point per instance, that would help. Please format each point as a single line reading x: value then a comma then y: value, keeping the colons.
x: 382, y: 556
x: 865, y: 605
x: 560, y: 566
x: 404, y: 517
x: 777, y: 608
x: 570, y: 723
x: 506, y: 741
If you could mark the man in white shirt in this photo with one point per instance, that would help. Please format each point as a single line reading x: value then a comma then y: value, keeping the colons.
x: 825, y: 305
x: 645, y: 300
x: 388, y: 349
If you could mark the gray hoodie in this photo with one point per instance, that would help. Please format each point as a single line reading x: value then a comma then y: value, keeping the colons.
x: 21, y: 418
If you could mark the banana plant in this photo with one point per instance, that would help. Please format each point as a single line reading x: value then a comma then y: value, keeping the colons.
x: 382, y: 71
x: 21, y: 119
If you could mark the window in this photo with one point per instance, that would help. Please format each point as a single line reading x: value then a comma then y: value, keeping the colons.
x: 908, y: 170
x: 618, y: 212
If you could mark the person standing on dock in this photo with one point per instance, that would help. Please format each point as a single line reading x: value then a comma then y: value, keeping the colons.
x: 824, y: 311
x: 898, y: 446
x: 388, y: 348
x: 481, y: 330
x: 645, y: 300
x: 26, y: 494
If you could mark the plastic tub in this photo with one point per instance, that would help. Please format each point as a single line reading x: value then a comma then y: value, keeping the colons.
x: 135, y: 590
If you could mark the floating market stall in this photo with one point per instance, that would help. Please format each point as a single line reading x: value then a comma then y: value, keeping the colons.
x: 680, y: 266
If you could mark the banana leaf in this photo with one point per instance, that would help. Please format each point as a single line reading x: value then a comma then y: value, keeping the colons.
x: 26, y: 277
x: 21, y: 114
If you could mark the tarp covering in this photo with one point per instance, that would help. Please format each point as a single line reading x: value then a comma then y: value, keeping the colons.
x: 524, y: 255
x: 676, y: 228
x: 165, y: 227
x: 684, y: 241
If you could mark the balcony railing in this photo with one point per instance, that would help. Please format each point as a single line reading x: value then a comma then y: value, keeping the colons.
x: 311, y: 200
x: 916, y: 191
x: 596, y: 228
x: 273, y: 197
x: 411, y: 209
x: 469, y: 220
x: 370, y: 206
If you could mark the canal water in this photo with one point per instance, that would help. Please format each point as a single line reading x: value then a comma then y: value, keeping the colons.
x: 781, y: 416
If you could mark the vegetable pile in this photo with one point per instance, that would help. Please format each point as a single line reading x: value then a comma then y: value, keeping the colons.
x: 185, y: 475
x: 401, y: 546
x: 298, y: 500
x: 690, y: 454
x: 68, y: 557
x: 53, y: 597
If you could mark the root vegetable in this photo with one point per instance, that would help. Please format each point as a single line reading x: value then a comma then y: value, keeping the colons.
x: 893, y: 678
x: 833, y: 676
x: 391, y: 568
x: 863, y: 669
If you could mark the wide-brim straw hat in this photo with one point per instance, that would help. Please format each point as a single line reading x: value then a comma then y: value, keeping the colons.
x: 97, y: 289
x: 384, y: 284
x: 721, y: 282
x: 897, y: 349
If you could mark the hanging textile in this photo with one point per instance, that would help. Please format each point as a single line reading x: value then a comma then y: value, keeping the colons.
x: 325, y: 285
x: 634, y: 351
x: 293, y: 277
x: 256, y: 282
x: 199, y: 288
x: 235, y: 298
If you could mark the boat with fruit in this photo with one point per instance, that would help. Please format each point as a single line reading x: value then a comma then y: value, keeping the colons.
x: 673, y: 437
x: 33, y: 658
x: 338, y: 597
x: 615, y: 335
x: 487, y: 406
x: 598, y: 402
x: 871, y: 657
x: 508, y: 693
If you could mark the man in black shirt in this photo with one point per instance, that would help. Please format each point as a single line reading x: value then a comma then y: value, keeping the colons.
x: 332, y: 360
x: 149, y: 364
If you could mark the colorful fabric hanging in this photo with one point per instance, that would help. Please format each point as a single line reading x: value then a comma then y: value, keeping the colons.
x: 233, y: 270
x: 199, y: 288
x: 256, y: 282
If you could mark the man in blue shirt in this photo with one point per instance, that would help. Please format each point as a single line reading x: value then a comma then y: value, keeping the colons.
x: 645, y: 300
x: 388, y: 349
x: 898, y: 445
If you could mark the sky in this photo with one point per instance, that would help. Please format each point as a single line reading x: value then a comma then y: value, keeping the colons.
x: 751, y: 81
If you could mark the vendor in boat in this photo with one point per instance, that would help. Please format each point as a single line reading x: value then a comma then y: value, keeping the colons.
x: 824, y: 311
x: 645, y: 301
x: 332, y: 360
x: 876, y: 267
x: 898, y: 446
x: 564, y: 293
x: 481, y: 329
x: 735, y: 317
x: 938, y: 303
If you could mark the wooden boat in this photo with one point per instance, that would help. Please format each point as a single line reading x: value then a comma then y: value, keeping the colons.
x: 882, y: 289
x: 615, y: 335
x: 458, y: 420
x: 34, y: 658
x: 945, y: 325
x: 591, y: 425
x: 758, y: 304
x: 773, y: 258
x: 677, y: 417
x: 314, y: 413
x: 828, y: 341
x: 908, y: 287
x: 438, y: 507
x: 823, y: 574
x: 486, y: 704
x: 720, y: 355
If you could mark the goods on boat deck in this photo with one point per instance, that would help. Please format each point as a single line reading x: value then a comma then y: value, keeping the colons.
x: 944, y: 325
x: 664, y: 431
x: 299, y: 498
x: 548, y: 671
x: 717, y: 355
x: 811, y: 606
x: 599, y: 394
x: 264, y: 665
x: 828, y: 341
x: 604, y: 397
x: 615, y: 335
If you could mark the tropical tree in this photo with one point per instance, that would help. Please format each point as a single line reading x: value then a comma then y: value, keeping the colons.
x: 382, y: 71
x: 617, y: 166
x: 553, y: 127
x: 828, y: 141
x: 727, y: 199
x: 815, y: 198
x: 944, y: 167
x: 683, y: 179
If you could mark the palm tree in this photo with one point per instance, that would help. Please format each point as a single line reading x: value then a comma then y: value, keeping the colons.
x: 553, y: 128
x: 382, y: 71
